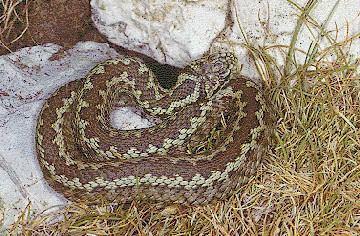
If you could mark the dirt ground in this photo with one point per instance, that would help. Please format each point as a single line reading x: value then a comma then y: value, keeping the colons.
x: 64, y: 22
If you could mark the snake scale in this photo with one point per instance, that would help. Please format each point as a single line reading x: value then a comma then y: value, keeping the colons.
x: 209, y: 142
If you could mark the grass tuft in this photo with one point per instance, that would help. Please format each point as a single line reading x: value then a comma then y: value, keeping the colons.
x: 14, y: 21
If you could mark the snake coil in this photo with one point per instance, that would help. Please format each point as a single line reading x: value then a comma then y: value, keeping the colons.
x: 209, y: 143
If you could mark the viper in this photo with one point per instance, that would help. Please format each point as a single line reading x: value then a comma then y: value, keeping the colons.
x: 209, y: 142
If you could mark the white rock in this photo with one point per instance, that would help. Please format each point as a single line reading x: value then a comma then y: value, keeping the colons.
x: 172, y: 32
x: 119, y: 119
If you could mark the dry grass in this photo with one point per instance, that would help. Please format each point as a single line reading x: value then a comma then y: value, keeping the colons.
x: 309, y: 183
x: 13, y: 15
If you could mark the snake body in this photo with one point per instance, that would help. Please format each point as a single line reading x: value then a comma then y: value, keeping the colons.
x: 209, y: 143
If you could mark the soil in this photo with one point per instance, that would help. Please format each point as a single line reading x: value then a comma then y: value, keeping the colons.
x: 66, y: 22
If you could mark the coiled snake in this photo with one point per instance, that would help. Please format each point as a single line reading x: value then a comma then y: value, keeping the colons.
x: 209, y: 143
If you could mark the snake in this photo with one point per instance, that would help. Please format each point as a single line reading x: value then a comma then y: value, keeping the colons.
x: 208, y: 142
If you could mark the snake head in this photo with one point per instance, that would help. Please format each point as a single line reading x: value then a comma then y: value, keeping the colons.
x: 216, y: 66
x: 214, y: 70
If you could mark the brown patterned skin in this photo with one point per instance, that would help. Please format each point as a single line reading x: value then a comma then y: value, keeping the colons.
x: 84, y: 158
